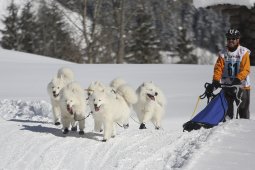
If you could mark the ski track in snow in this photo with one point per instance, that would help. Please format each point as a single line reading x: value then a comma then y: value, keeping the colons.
x: 130, y: 149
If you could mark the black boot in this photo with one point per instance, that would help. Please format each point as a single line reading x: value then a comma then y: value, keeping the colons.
x: 65, y: 131
x: 74, y: 128
x: 142, y: 126
x: 81, y: 132
x: 57, y: 123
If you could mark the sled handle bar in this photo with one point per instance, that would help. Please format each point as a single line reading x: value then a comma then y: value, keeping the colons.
x: 205, y: 94
x: 225, y: 85
x: 229, y: 85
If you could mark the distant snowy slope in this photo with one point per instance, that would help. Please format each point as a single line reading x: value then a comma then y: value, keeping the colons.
x: 8, y: 56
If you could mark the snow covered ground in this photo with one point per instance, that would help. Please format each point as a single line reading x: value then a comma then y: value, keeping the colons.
x: 206, y: 3
x: 29, y: 140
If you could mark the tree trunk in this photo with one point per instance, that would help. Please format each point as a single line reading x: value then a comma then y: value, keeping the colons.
x: 121, y: 45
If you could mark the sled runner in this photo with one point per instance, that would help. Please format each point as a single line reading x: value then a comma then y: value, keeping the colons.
x: 215, y: 111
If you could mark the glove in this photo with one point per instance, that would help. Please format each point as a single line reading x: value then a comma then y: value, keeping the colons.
x: 236, y: 81
x: 216, y: 84
x: 211, y: 87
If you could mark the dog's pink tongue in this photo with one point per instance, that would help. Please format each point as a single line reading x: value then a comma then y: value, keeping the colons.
x: 69, y: 109
x: 151, y: 97
x: 96, y: 109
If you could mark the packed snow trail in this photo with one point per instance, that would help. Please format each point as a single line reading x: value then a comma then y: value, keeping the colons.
x: 32, y: 145
x: 29, y: 140
x: 32, y: 142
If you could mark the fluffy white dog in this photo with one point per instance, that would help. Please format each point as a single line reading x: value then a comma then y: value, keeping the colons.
x: 97, y: 86
x: 108, y: 110
x: 151, y: 104
x: 64, y: 76
x: 73, y: 107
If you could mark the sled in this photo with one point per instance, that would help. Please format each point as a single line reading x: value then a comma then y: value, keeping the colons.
x: 214, y: 112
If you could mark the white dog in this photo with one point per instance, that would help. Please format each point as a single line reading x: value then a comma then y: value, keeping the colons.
x: 151, y: 104
x: 54, y: 88
x: 73, y: 107
x: 109, y: 110
x: 64, y: 76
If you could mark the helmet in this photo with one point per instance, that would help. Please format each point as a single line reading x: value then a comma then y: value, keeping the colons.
x: 233, y: 33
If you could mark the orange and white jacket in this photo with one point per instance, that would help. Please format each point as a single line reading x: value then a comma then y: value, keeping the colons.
x: 233, y: 64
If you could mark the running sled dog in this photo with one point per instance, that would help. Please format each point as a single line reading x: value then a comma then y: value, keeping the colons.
x: 109, y: 108
x: 112, y: 91
x: 73, y: 107
x: 63, y: 77
x: 151, y: 105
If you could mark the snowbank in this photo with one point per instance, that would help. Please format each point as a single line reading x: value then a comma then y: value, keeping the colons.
x: 206, y: 3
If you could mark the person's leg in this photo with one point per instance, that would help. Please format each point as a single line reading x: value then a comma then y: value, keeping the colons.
x: 230, y: 112
x: 244, y: 108
x: 230, y: 100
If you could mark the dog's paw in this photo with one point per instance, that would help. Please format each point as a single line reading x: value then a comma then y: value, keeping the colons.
x: 81, y: 132
x: 74, y: 128
x: 65, y: 131
x: 142, y: 126
x: 126, y: 126
x: 57, y: 123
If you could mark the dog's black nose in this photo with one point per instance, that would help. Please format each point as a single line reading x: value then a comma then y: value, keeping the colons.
x: 95, y: 105
x: 54, y: 92
x: 156, y: 93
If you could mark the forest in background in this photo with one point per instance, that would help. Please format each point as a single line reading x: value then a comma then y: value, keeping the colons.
x: 113, y: 31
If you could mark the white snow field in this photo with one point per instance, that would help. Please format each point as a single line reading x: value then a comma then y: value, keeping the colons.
x: 30, y: 141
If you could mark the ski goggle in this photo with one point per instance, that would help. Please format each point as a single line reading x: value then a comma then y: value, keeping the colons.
x: 231, y: 39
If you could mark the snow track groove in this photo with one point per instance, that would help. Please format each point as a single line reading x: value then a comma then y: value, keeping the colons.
x: 130, y: 149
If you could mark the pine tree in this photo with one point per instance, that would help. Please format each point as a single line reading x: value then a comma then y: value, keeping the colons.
x: 27, y: 26
x: 185, y: 48
x: 11, y: 36
x: 209, y: 29
x: 144, y: 44
x: 54, y: 40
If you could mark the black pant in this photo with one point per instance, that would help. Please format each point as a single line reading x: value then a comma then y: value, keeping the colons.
x: 243, y: 110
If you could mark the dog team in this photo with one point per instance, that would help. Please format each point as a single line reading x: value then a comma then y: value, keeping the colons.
x: 108, y: 104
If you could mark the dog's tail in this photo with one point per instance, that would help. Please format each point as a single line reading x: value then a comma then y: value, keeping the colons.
x: 66, y: 73
x: 128, y: 93
x: 76, y: 88
x: 117, y: 82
